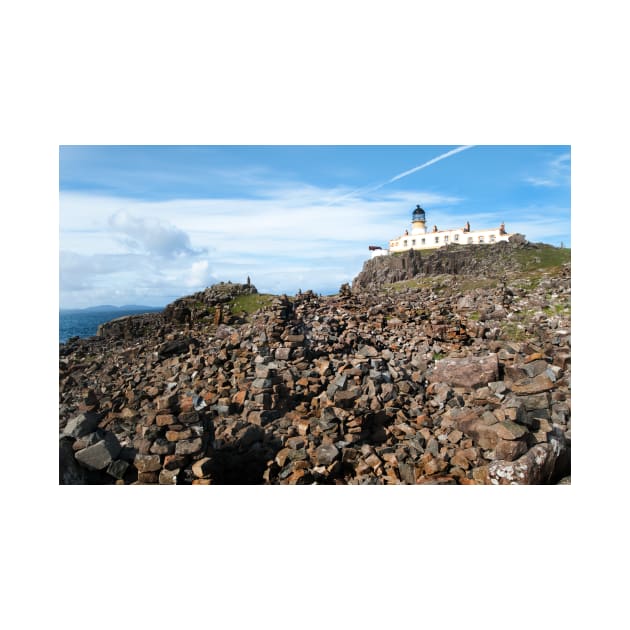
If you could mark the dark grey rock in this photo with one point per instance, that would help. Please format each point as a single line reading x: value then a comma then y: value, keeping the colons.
x: 81, y: 425
x: 101, y: 454
x: 326, y: 454
x: 118, y: 468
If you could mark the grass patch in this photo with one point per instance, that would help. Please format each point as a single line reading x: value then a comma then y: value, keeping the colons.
x: 250, y: 303
x: 513, y: 331
x: 526, y: 281
x: 542, y: 257
x: 561, y: 310
x: 466, y: 284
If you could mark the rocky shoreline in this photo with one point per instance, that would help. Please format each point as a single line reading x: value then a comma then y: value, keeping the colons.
x: 433, y: 378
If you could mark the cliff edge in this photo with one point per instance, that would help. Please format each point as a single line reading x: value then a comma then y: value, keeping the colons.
x: 489, y: 261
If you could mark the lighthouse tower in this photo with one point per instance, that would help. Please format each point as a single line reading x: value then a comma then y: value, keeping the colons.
x: 418, y: 221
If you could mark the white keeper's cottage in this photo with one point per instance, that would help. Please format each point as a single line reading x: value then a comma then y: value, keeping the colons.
x: 419, y: 238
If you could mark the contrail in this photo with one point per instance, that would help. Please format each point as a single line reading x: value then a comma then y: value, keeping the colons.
x: 409, y: 172
x: 433, y: 161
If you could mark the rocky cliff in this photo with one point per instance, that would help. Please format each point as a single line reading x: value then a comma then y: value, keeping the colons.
x: 446, y: 379
x: 203, y: 307
x: 470, y: 260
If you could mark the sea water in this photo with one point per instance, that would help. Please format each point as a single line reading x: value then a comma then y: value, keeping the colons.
x: 84, y: 323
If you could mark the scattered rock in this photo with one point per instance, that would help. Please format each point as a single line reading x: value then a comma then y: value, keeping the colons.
x: 438, y: 383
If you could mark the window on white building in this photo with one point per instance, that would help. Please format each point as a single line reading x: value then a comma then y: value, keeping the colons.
x: 456, y: 237
x: 493, y: 238
x: 404, y: 243
x: 413, y: 242
x: 470, y: 239
x: 481, y: 239
x: 446, y: 239
x: 422, y: 241
x: 437, y: 239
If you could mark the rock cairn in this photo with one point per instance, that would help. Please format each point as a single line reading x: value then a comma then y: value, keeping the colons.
x: 436, y: 384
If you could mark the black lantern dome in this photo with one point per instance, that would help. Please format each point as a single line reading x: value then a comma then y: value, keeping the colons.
x: 418, y: 214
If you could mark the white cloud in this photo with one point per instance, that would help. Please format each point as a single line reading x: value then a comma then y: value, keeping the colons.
x: 198, y: 275
x: 557, y: 172
x: 150, y: 235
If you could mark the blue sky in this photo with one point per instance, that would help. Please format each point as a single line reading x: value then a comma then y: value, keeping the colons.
x: 148, y: 224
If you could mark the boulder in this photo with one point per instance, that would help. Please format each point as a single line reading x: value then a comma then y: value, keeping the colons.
x: 81, y: 425
x: 100, y: 455
x: 466, y: 372
x: 534, y: 467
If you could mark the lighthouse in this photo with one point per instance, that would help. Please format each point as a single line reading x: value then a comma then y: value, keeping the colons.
x: 420, y: 239
x: 418, y: 221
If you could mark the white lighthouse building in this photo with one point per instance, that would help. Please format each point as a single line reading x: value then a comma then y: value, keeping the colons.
x: 421, y: 239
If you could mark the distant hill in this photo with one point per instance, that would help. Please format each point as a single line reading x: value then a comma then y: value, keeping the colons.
x: 101, y: 308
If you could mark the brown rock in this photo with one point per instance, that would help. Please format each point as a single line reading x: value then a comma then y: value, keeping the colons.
x: 535, y: 385
x: 509, y: 430
x: 467, y: 371
x: 162, y: 447
x: 480, y: 475
x: 147, y: 463
x: 441, y: 480
x: 188, y: 447
x: 166, y: 403
x: 469, y: 423
x: 509, y: 450
x: 164, y: 419
x: 148, y: 477
x: 303, y: 426
x: 346, y: 398
x: 168, y: 477
x: 459, y: 459
x: 175, y: 436
x: 239, y: 397
x: 282, y: 456
x: 186, y: 403
x: 431, y: 467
